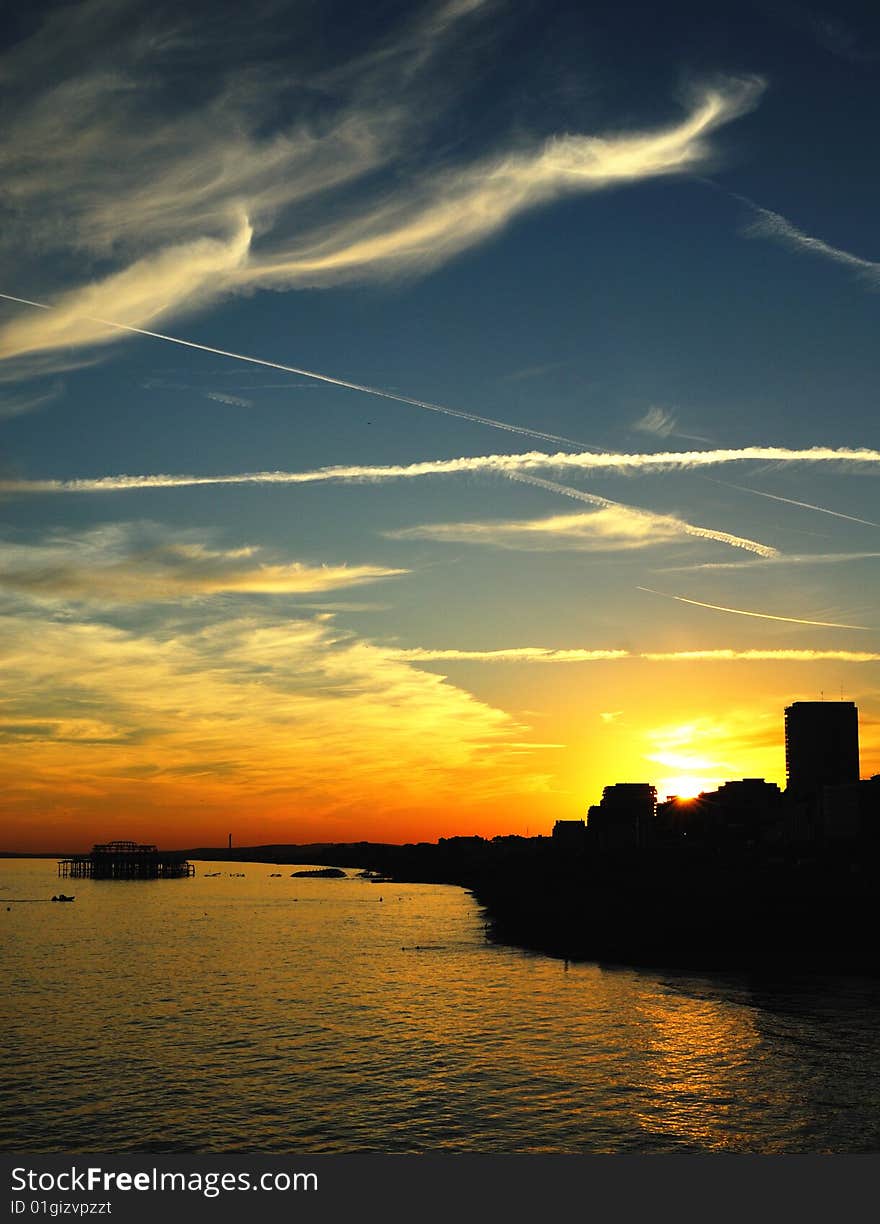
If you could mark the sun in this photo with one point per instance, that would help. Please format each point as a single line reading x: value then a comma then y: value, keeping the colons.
x: 686, y: 786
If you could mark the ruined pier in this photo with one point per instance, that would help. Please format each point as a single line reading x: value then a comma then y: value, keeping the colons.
x: 125, y: 860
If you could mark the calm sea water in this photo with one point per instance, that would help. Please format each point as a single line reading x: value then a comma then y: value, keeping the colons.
x: 264, y: 1014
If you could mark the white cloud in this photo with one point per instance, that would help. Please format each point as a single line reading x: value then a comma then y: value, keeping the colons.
x: 142, y: 563
x: 663, y: 423
x: 182, y: 276
x: 234, y: 401
x: 610, y: 529
x: 599, y: 531
x: 184, y: 202
x: 659, y: 524
x: 449, y: 212
x: 241, y: 711
x: 658, y: 421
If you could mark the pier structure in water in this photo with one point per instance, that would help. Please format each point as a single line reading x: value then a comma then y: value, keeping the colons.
x: 125, y: 860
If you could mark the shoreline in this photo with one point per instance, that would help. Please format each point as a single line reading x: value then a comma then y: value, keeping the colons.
x: 749, y: 911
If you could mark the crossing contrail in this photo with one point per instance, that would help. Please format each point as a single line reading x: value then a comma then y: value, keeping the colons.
x: 325, y: 378
x: 703, y: 533
x: 793, y: 620
x: 790, y: 501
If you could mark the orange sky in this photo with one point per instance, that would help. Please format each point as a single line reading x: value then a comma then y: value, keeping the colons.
x: 302, y: 732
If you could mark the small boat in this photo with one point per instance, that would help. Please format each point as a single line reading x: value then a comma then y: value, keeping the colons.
x: 61, y: 897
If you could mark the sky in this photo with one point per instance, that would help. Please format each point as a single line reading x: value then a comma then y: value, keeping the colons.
x: 418, y: 416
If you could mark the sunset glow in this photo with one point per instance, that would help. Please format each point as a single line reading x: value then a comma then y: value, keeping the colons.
x: 370, y: 472
x: 685, y: 788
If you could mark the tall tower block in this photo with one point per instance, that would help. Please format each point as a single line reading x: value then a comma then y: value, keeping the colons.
x: 821, y: 746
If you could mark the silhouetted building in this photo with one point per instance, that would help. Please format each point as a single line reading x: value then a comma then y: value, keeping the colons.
x: 869, y: 808
x: 624, y: 818
x: 744, y: 813
x: 676, y: 821
x: 570, y: 835
x: 840, y: 812
x: 821, y: 747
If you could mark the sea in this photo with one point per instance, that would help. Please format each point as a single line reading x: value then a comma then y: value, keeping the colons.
x: 245, y: 1010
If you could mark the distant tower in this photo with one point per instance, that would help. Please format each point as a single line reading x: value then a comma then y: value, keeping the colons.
x: 230, y: 841
x: 821, y: 746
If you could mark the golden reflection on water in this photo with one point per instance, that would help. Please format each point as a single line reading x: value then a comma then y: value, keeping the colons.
x: 263, y: 1013
x: 695, y: 1055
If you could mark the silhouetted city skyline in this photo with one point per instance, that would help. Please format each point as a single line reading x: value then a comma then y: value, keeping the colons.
x: 825, y: 799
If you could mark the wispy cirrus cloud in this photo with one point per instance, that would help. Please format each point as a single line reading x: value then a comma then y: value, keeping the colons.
x: 454, y: 210
x: 299, y: 167
x: 615, y: 527
x: 662, y: 422
x: 234, y: 401
x: 599, y: 531
x: 16, y: 403
x: 185, y: 274
x: 126, y: 563
x: 500, y: 464
x: 242, y: 714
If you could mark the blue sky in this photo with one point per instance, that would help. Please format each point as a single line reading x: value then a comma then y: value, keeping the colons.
x: 613, y: 231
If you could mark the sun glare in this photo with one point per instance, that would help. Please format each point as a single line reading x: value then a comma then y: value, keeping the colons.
x: 685, y: 787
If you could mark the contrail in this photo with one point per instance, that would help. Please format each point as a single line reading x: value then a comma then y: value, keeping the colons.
x: 514, y: 654
x: 762, y: 656
x: 793, y: 620
x: 503, y: 465
x: 325, y: 378
x: 780, y: 559
x: 774, y: 226
x: 544, y: 654
x: 704, y: 533
x: 791, y: 502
